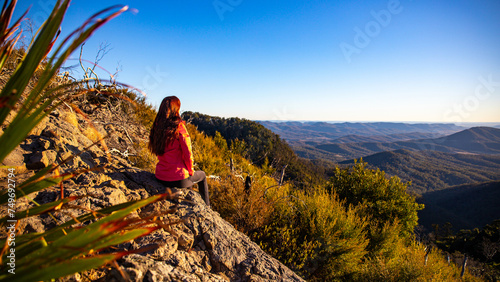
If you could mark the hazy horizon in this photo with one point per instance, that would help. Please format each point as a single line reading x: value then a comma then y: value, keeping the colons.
x: 381, y: 121
x: 462, y: 124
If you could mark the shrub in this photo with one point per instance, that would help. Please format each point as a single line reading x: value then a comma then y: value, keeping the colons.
x: 284, y: 242
x: 246, y: 211
x: 143, y: 158
x: 324, y: 240
x: 144, y: 112
x: 409, y: 264
x: 378, y: 197
x: 340, y: 232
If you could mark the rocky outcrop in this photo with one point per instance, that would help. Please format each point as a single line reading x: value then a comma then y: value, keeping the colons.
x: 203, y: 248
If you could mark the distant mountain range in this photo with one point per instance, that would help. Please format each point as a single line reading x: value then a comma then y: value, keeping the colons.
x: 385, y: 138
x: 432, y: 170
x: 293, y: 131
x: 477, y: 140
x: 342, y: 141
x: 428, y: 159
x: 468, y: 156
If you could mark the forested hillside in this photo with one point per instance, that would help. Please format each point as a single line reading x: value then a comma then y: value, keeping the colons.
x: 481, y: 245
x: 260, y: 145
x: 464, y: 206
x: 431, y: 170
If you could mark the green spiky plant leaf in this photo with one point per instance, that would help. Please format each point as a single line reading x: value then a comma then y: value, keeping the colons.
x: 41, y: 101
x: 51, y: 252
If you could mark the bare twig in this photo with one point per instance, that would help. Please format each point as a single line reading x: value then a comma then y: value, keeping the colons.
x: 127, y: 134
x: 103, y: 50
x: 70, y: 108
x: 85, y: 75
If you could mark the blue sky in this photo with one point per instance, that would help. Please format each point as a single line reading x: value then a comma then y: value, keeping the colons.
x: 420, y: 60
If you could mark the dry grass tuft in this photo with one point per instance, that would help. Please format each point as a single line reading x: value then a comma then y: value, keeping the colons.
x: 71, y: 118
x: 92, y: 134
x: 144, y: 159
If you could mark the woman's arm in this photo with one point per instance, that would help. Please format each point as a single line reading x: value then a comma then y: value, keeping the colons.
x: 187, y: 153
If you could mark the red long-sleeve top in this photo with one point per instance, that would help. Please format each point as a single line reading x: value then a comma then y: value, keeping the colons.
x: 177, y: 161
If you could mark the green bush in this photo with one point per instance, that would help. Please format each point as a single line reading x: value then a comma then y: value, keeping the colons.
x: 315, y: 236
x: 380, y: 198
x: 409, y: 264
x: 144, y: 112
x: 285, y: 242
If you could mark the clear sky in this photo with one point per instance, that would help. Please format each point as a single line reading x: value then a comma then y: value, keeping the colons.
x: 420, y: 60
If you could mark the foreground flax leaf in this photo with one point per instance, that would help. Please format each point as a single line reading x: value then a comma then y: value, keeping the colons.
x: 33, y: 109
x: 75, y: 246
x: 41, y: 209
x: 62, y: 229
x: 64, y: 268
x: 16, y: 85
x: 35, y: 186
x: 7, y: 34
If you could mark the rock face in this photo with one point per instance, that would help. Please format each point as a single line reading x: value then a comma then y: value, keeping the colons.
x: 203, y: 248
x: 207, y: 248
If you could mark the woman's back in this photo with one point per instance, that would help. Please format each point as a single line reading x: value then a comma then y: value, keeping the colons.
x: 176, y: 163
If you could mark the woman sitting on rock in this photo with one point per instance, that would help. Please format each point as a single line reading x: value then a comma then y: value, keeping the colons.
x: 170, y: 141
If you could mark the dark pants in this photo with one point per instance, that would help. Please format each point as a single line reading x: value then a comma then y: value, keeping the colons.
x: 198, y: 177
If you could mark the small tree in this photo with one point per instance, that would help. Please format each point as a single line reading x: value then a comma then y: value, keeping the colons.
x: 381, y: 198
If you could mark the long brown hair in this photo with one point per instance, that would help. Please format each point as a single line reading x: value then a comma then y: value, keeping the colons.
x: 165, y: 128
